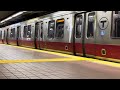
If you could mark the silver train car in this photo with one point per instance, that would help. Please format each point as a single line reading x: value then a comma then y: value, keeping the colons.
x: 92, y: 34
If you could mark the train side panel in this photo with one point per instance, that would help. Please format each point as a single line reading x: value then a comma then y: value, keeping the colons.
x: 28, y: 33
x: 63, y: 41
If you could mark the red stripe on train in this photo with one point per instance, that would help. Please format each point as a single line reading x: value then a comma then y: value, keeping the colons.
x: 1, y: 41
x: 12, y: 42
x: 112, y: 51
x: 59, y: 46
x: 27, y: 43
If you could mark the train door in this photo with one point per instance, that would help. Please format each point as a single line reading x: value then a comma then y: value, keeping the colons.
x: 18, y: 35
x: 41, y: 42
x: 79, y: 34
x: 90, y: 35
x: 36, y: 37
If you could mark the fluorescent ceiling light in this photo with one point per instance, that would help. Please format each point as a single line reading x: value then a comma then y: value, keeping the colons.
x: 15, y: 15
x: 19, y: 13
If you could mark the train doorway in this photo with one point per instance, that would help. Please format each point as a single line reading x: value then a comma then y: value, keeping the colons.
x: 79, y: 34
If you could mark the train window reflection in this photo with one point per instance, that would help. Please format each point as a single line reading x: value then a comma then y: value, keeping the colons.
x: 91, y: 23
x: 60, y: 28
x: 51, y: 29
x: 78, y: 26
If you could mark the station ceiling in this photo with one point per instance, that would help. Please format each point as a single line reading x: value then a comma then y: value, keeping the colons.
x: 5, y: 14
x: 25, y: 16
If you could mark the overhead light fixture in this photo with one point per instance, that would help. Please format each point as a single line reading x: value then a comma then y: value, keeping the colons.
x: 19, y: 13
x: 15, y: 15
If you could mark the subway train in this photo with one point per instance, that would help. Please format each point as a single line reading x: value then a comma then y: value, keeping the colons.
x: 93, y: 34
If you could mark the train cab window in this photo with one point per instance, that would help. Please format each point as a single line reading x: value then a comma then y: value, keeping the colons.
x: 36, y: 29
x: 51, y: 29
x: 12, y: 33
x: 60, y: 28
x: 41, y: 27
x: 116, y: 31
x: 29, y: 31
x: 19, y: 31
x: 91, y: 23
x: 78, y: 26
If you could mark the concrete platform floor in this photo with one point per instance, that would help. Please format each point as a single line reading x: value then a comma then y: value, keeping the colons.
x: 58, y: 70
x: 79, y: 68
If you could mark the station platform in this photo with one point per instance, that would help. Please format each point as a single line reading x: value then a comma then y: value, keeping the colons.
x: 25, y: 63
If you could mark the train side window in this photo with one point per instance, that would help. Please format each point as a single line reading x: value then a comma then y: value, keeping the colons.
x: 116, y: 30
x: 12, y: 34
x: 78, y: 26
x: 29, y: 31
x: 116, y: 12
x: 91, y: 23
x: 51, y: 29
x: 4, y: 34
x: 19, y: 31
x: 60, y: 28
x: 0, y: 34
x: 41, y: 34
x: 36, y: 29
x: 25, y: 32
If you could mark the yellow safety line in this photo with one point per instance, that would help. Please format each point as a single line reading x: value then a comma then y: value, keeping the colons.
x: 70, y: 58
x: 40, y: 60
